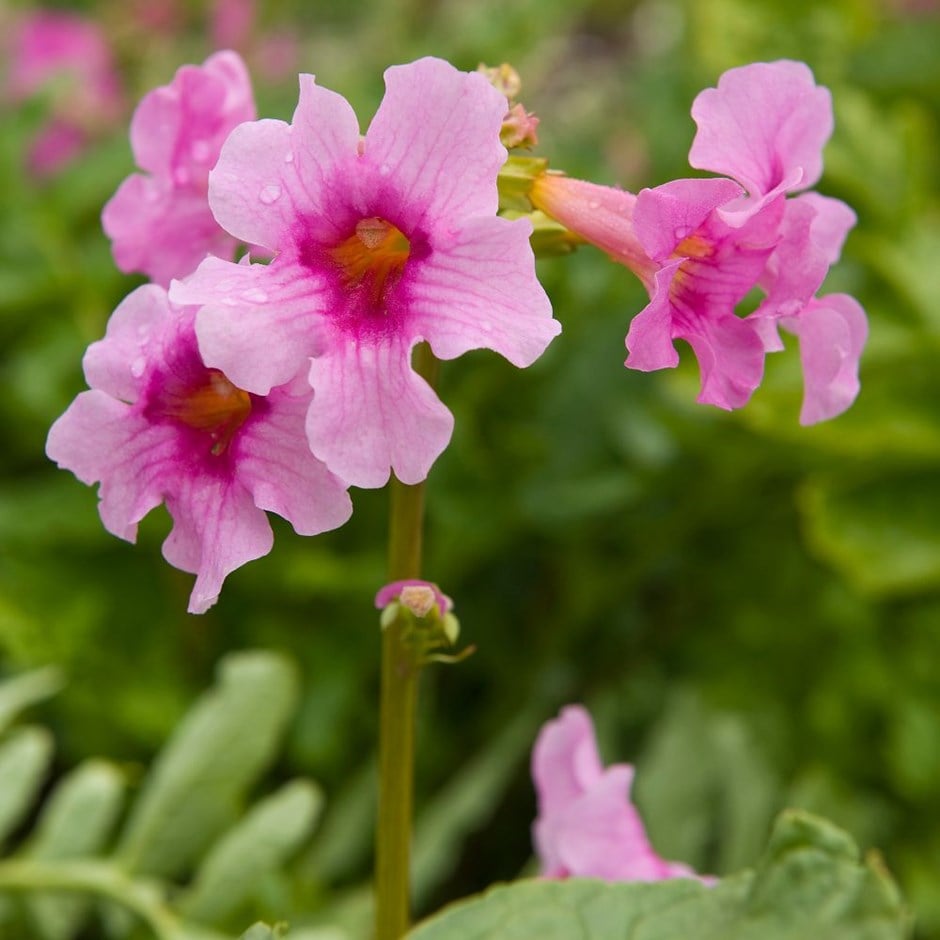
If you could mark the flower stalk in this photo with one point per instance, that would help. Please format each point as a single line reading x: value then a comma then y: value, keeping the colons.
x: 401, y: 663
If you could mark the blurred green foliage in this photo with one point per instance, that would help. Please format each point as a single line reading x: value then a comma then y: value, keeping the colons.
x: 749, y: 608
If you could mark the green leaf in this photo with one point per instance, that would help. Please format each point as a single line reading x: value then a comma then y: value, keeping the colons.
x: 217, y: 752
x: 24, y: 760
x: 809, y: 884
x: 262, y: 932
x: 24, y: 690
x: 880, y: 532
x: 76, y: 821
x: 267, y: 836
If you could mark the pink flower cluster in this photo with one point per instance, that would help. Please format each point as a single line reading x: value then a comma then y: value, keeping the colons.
x: 252, y: 387
x: 586, y: 826
x: 68, y: 58
x: 701, y: 245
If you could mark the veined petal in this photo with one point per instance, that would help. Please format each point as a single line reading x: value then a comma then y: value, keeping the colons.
x: 666, y: 215
x: 761, y: 124
x: 276, y: 466
x: 116, y: 364
x: 832, y: 331
x: 649, y: 340
x: 217, y: 528
x: 436, y: 133
x: 103, y: 440
x: 281, y: 302
x: 479, y: 290
x: 372, y: 414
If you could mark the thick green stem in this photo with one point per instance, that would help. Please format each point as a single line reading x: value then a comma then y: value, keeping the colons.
x: 400, y: 669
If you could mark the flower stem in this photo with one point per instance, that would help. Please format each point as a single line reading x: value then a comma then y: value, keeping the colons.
x: 400, y: 669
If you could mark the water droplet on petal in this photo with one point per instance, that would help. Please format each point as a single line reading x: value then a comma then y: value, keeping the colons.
x: 270, y: 194
x: 385, y: 169
x: 289, y: 156
x: 181, y: 176
x: 683, y: 231
x: 256, y: 296
x: 151, y: 194
x: 138, y: 366
x: 594, y: 204
x: 201, y: 151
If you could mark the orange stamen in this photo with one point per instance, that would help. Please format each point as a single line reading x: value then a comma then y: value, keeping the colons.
x: 217, y: 407
x: 375, y: 255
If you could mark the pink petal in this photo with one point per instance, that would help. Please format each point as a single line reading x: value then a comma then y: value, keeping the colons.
x: 765, y: 123
x: 371, y: 413
x: 666, y: 215
x: 649, y: 340
x: 277, y: 184
x: 730, y: 355
x: 275, y: 465
x: 103, y: 440
x: 479, y: 291
x: 436, y: 134
x: 280, y: 302
x: 565, y: 762
x: 832, y: 332
x: 116, y: 364
x: 217, y: 528
x: 178, y: 129
x: 161, y: 231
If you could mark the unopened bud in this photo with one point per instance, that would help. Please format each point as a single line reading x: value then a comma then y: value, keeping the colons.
x: 418, y: 598
x: 518, y: 129
x: 503, y: 78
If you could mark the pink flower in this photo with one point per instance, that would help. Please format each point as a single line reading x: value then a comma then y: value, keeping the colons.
x: 701, y: 245
x: 68, y: 58
x: 158, y: 426
x: 586, y: 825
x: 159, y: 221
x: 381, y: 242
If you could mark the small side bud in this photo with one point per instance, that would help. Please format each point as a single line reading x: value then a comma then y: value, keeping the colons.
x: 519, y: 129
x: 418, y: 598
x: 503, y: 78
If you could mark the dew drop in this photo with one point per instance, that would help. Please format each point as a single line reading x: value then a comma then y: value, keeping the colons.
x: 594, y: 204
x: 289, y: 156
x: 683, y: 231
x: 181, y: 176
x: 138, y: 366
x: 270, y: 194
x: 256, y: 296
x: 201, y: 151
x: 384, y: 169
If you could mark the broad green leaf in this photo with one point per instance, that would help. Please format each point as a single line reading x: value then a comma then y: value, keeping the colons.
x: 881, y: 531
x: 24, y: 760
x: 268, y: 835
x: 24, y: 690
x: 76, y: 821
x: 809, y: 884
x: 217, y: 752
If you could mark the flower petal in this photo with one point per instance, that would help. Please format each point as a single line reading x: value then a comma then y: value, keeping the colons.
x: 371, y: 413
x: 761, y: 124
x: 242, y: 303
x: 436, y: 133
x: 276, y: 467
x: 479, y: 291
x: 116, y: 364
x: 649, y: 340
x: 103, y: 440
x: 217, y: 528
x: 565, y: 761
x: 832, y: 332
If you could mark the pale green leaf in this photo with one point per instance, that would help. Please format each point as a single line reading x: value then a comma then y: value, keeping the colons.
x: 24, y: 690
x: 24, y: 760
x: 268, y: 835
x: 198, y: 781
x: 809, y: 884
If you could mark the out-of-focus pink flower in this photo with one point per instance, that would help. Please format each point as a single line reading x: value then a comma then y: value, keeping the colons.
x: 68, y: 58
x: 159, y: 221
x: 231, y: 23
x: 587, y: 826
x: 158, y: 426
x: 701, y: 245
x: 380, y: 242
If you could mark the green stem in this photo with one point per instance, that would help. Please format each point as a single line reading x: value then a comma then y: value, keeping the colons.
x: 96, y: 878
x: 397, y: 709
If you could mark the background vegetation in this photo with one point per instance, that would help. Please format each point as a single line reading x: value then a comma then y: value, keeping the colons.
x: 749, y: 608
